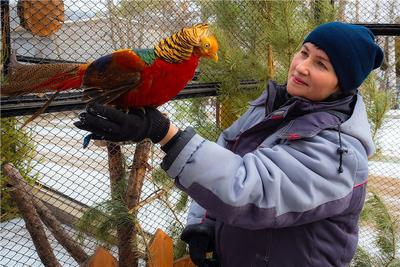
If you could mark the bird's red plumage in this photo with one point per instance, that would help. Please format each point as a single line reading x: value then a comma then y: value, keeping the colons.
x: 160, y: 82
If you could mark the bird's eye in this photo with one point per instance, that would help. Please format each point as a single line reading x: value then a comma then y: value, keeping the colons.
x: 207, y: 45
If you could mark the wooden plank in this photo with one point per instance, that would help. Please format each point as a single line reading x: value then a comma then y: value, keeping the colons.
x: 101, y: 258
x: 184, y: 262
x: 161, y: 250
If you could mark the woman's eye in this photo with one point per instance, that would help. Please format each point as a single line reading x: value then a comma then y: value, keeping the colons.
x: 321, y: 65
x: 303, y: 53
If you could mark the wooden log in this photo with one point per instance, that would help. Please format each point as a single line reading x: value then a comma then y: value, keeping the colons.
x: 161, y: 250
x: 31, y: 218
x: 70, y: 245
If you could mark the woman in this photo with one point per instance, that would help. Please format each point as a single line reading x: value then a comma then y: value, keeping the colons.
x: 285, y: 184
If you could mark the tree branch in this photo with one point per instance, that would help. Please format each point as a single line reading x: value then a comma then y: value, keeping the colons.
x: 126, y: 255
x: 72, y: 247
x: 31, y: 218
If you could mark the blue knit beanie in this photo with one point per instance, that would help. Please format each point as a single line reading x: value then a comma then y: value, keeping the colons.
x: 351, y: 50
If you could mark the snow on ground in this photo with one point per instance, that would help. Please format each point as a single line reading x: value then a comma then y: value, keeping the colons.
x: 388, y: 169
x: 388, y: 141
x: 17, y: 248
x: 388, y: 138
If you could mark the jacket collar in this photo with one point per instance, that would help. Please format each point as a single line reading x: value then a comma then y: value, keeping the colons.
x: 303, y: 118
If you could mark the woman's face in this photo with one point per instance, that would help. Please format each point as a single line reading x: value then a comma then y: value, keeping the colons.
x: 311, y: 74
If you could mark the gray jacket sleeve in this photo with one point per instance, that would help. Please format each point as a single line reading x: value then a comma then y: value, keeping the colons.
x: 288, y: 184
x: 197, y: 213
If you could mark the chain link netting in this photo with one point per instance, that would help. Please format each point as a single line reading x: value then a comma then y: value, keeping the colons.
x: 71, y: 180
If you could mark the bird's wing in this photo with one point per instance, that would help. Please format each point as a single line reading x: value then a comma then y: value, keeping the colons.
x: 110, y: 76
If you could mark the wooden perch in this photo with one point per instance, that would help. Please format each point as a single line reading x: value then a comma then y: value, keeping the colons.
x: 126, y: 255
x: 127, y: 233
x: 31, y: 217
x: 70, y: 245
x: 115, y: 167
x: 135, y: 181
x: 137, y: 174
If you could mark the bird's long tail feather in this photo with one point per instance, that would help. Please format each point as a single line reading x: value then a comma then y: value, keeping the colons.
x: 39, y: 78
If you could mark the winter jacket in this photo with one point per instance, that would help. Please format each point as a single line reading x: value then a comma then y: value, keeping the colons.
x: 287, y: 197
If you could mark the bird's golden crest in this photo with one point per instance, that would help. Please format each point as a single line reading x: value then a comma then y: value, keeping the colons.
x: 180, y: 46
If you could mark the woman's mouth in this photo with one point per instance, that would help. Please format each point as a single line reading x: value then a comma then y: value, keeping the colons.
x: 297, y: 80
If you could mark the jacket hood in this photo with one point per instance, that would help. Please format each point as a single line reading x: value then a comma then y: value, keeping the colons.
x: 358, y: 127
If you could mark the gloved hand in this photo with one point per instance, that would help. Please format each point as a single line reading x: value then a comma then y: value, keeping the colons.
x: 200, y: 238
x: 107, y: 123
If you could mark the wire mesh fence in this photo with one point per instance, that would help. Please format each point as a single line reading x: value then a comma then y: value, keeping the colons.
x: 72, y: 181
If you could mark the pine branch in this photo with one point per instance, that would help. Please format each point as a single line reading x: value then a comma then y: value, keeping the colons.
x: 362, y: 258
x: 134, y: 189
x: 376, y: 212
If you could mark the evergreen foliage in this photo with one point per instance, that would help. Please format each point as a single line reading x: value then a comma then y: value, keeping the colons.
x: 242, y: 57
x: 196, y: 112
x: 175, y: 231
x: 161, y: 179
x: 377, y: 215
x: 377, y: 101
x: 251, y: 34
x: 362, y: 258
x: 104, y: 219
x: 17, y: 148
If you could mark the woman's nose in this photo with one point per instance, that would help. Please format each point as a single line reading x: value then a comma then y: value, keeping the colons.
x: 303, y: 67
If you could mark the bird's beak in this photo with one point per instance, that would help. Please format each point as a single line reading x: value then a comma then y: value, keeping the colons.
x: 214, y: 57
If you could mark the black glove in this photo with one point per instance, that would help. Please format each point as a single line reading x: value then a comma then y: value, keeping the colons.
x: 201, y: 238
x: 107, y: 123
